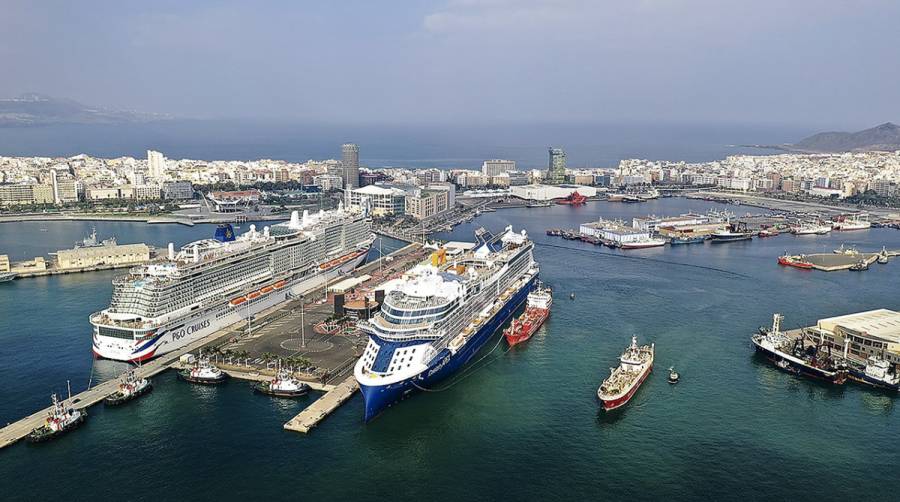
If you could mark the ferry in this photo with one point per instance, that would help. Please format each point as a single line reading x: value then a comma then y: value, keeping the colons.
x: 536, y: 312
x: 209, y: 284
x: 283, y: 385
x: 130, y: 388
x: 203, y: 372
x: 793, y: 356
x: 60, y: 420
x: 635, y: 364
x: 439, y: 314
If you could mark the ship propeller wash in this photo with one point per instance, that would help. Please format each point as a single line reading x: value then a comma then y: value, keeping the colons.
x: 212, y: 283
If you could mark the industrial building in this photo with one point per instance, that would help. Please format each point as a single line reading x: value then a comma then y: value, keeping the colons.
x: 614, y: 232
x: 871, y: 333
x: 106, y: 255
x: 550, y: 192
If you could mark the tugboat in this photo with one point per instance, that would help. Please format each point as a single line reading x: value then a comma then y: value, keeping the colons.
x: 536, y: 312
x: 793, y: 356
x: 203, y: 373
x: 59, y: 421
x: 634, y: 366
x: 283, y: 385
x: 879, y: 373
x: 673, y: 376
x: 130, y: 388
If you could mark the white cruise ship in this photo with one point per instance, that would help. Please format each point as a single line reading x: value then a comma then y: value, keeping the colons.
x: 212, y: 283
x: 437, y: 316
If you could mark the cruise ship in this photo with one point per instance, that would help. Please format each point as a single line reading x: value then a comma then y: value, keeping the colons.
x: 212, y: 283
x: 436, y: 317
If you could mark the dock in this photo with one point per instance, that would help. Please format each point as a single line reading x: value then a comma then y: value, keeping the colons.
x: 322, y: 407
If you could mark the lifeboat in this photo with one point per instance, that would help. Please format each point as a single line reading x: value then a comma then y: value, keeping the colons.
x: 237, y: 301
x: 267, y: 289
x: 279, y: 284
x: 253, y: 295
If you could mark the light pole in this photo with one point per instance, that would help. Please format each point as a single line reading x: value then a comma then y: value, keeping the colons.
x: 302, y: 323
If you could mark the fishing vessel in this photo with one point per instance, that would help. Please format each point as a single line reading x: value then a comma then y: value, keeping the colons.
x: 648, y: 242
x: 536, y: 312
x: 877, y: 372
x: 203, y: 372
x: 573, y: 199
x: 796, y: 261
x: 796, y: 357
x: 811, y: 229
x: 213, y: 283
x: 437, y: 316
x: 634, y: 366
x: 856, y: 222
x: 687, y: 239
x: 7, y: 276
x: 60, y: 419
x: 283, y: 385
x: 130, y: 387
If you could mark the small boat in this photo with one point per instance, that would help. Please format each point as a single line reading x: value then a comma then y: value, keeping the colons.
x: 572, y: 296
x: 768, y: 232
x: 673, y: 376
x: 536, y: 312
x: 7, y: 276
x: 59, y: 421
x: 879, y: 373
x: 883, y: 256
x: 283, y: 385
x: 696, y: 239
x: 573, y: 199
x: 204, y: 373
x: 860, y: 266
x: 624, y: 381
x: 130, y: 388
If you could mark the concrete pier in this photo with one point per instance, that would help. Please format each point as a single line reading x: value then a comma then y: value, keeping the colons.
x: 322, y: 407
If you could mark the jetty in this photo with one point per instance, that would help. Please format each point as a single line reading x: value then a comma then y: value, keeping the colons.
x: 322, y: 407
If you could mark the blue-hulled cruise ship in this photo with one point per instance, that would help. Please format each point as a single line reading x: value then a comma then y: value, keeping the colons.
x: 440, y: 313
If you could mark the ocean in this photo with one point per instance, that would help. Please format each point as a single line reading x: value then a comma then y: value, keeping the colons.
x: 457, y: 146
x: 522, y: 424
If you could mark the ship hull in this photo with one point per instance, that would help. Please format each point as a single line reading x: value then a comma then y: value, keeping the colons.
x: 719, y: 239
x: 612, y: 404
x: 378, y: 397
x: 861, y: 377
x: 177, y: 333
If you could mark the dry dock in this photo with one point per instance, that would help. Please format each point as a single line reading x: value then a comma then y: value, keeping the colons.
x: 322, y: 407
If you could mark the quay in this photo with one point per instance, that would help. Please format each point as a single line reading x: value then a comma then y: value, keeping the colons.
x: 322, y: 407
x: 275, y: 331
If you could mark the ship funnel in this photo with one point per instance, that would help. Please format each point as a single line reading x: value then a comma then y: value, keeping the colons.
x: 171, y: 252
x: 196, y: 254
x: 295, y: 219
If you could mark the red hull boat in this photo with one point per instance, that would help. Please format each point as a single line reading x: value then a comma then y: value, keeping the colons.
x: 575, y: 199
x: 537, y: 311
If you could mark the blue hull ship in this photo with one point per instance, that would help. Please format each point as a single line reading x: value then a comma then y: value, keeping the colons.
x: 438, y: 316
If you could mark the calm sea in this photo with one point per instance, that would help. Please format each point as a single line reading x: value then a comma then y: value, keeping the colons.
x: 524, y: 423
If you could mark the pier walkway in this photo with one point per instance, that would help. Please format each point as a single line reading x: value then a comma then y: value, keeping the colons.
x: 322, y: 407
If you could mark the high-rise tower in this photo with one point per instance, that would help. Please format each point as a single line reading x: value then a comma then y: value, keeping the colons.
x: 350, y: 161
x: 556, y: 170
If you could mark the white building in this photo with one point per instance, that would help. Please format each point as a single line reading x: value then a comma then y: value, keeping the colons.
x: 495, y: 167
x: 550, y: 192
x: 156, y: 164
x: 613, y: 231
x: 382, y: 200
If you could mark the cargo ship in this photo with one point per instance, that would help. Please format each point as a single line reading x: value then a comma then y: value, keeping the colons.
x: 623, y: 382
x: 536, y: 312
x: 574, y: 199
x: 438, y: 315
x: 795, y: 357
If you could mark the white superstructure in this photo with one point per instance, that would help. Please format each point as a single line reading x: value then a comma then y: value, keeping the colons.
x: 212, y: 283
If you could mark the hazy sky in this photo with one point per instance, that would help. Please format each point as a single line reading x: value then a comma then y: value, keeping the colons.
x: 825, y: 62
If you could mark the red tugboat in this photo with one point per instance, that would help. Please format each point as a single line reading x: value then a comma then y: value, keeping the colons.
x: 537, y: 311
x: 634, y: 366
x: 574, y: 199
x: 797, y: 261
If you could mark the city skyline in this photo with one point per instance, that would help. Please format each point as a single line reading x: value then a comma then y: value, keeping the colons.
x: 695, y: 62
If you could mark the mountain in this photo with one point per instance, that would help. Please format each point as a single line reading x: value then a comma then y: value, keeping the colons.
x: 883, y: 137
x: 36, y: 109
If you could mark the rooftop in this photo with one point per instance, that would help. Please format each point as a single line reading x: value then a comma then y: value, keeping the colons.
x: 881, y: 323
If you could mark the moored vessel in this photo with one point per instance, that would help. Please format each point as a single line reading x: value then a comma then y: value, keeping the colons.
x: 877, y: 372
x: 573, y: 199
x: 60, y: 420
x: 7, y: 276
x: 130, y: 387
x: 283, y: 385
x: 203, y: 372
x: 811, y: 229
x: 796, y: 261
x: 536, y: 312
x: 732, y: 233
x: 796, y: 357
x: 649, y: 242
x: 624, y: 381
x: 687, y: 239
x: 855, y: 222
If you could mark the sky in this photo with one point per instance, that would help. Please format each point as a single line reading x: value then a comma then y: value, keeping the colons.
x: 832, y: 63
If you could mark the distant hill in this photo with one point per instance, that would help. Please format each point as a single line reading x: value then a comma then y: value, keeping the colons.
x: 36, y: 109
x: 883, y: 137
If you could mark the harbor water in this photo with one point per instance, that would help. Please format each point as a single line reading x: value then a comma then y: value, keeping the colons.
x: 520, y: 424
